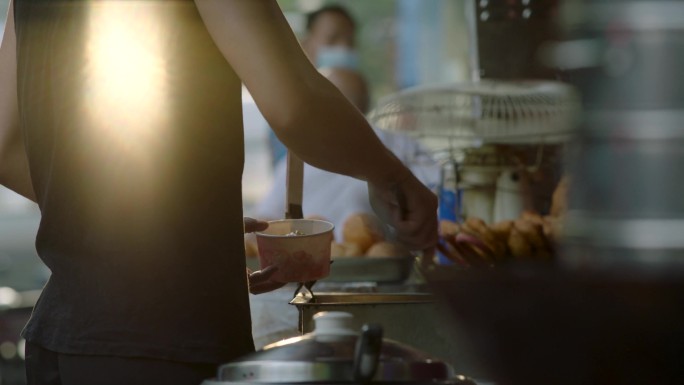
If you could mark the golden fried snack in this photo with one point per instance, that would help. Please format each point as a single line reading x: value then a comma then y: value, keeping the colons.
x: 449, y: 251
x: 475, y: 223
x: 534, y: 234
x: 461, y: 253
x: 345, y: 250
x: 475, y: 250
x: 337, y: 250
x: 477, y: 227
x: 447, y: 227
x: 363, y: 229
x: 387, y: 249
x: 502, y: 230
x: 352, y: 250
x: 519, y: 246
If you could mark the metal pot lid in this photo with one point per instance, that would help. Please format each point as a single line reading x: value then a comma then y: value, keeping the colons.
x: 331, y: 353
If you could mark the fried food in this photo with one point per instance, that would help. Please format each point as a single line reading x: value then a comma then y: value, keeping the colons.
x: 336, y: 250
x: 534, y: 234
x: 463, y: 254
x: 529, y: 238
x: 474, y: 256
x: 362, y: 229
x: 502, y: 230
x: 477, y: 227
x: 449, y: 251
x: 387, y: 249
x: 447, y: 227
x: 519, y: 246
x: 345, y: 250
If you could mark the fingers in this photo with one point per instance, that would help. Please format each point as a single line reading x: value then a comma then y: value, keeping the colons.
x: 418, y: 234
x: 265, y: 287
x: 419, y: 227
x: 263, y: 275
x: 260, y: 280
x: 411, y: 209
x: 252, y: 225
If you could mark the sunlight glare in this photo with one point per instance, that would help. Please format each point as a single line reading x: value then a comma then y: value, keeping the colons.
x: 125, y: 90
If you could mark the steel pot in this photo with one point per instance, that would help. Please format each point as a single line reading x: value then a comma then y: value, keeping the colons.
x: 337, y: 353
x: 405, y: 317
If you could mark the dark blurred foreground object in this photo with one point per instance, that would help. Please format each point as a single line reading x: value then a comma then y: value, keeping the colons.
x: 613, y: 311
x: 335, y: 352
x: 625, y: 199
x: 509, y: 33
x: 546, y: 326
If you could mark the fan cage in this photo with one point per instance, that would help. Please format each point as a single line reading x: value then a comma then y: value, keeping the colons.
x: 472, y: 114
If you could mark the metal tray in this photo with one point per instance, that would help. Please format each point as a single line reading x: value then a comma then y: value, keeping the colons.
x: 416, y: 319
x: 363, y: 269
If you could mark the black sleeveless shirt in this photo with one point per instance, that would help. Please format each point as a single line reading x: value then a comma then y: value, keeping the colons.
x: 133, y: 127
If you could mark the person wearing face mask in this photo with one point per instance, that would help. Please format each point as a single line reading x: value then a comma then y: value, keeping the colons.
x: 329, y: 42
x: 330, y: 38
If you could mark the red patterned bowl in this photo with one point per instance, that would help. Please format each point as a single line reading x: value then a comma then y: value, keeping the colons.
x: 299, y: 247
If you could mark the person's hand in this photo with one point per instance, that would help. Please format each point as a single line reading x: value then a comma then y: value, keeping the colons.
x: 260, y: 280
x: 410, y: 209
x: 252, y: 225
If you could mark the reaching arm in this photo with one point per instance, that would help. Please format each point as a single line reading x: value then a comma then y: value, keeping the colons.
x: 306, y: 111
x: 14, y: 171
x: 311, y: 116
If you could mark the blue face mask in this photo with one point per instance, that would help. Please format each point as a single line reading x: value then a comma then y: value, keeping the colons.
x: 337, y: 57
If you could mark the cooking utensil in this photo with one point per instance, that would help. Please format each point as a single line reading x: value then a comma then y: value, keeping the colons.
x: 295, y: 186
x: 625, y: 207
x: 335, y: 352
x: 294, y: 198
x: 529, y: 324
x: 413, y: 318
x: 367, y: 353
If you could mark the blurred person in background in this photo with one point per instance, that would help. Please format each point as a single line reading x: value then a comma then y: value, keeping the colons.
x: 329, y: 41
x: 330, y: 38
x: 132, y: 145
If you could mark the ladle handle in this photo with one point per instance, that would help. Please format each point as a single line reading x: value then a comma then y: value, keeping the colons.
x: 367, y: 353
x: 295, y: 186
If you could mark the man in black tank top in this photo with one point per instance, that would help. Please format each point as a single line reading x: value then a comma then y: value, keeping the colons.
x: 130, y: 115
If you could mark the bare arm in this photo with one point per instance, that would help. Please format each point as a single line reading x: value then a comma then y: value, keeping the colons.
x: 311, y: 116
x: 14, y: 171
x: 306, y: 111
